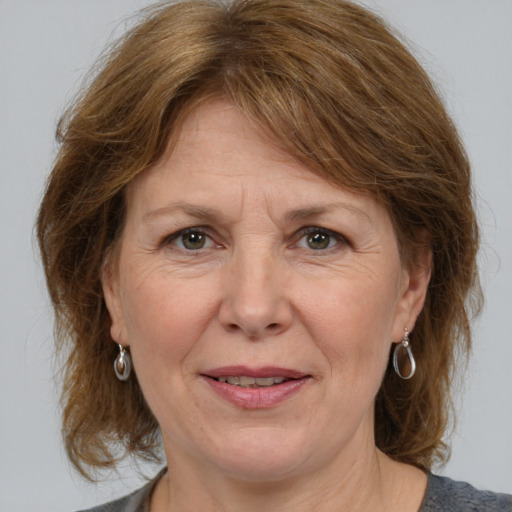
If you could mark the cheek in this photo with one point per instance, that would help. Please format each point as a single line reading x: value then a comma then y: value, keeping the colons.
x: 352, y: 325
x: 165, y: 318
x: 165, y: 321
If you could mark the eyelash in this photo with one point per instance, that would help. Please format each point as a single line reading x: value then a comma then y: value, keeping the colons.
x: 314, y: 230
x: 301, y: 234
x: 175, y: 237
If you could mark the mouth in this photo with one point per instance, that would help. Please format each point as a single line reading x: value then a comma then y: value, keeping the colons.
x: 246, y: 377
x: 245, y: 381
x: 255, y: 388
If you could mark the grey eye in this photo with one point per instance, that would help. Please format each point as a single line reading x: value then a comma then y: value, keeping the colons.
x: 318, y: 240
x: 193, y: 240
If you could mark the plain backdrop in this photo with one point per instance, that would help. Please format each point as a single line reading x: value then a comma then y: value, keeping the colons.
x: 45, y: 48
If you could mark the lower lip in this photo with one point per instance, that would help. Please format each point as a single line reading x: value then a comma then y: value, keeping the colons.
x: 257, y: 398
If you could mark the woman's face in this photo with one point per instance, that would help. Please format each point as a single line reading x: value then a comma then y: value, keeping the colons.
x: 259, y: 303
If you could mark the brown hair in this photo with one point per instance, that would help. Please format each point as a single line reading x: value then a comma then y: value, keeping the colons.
x: 337, y: 90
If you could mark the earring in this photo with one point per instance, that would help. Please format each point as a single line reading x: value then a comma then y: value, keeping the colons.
x: 404, y: 344
x: 122, y: 364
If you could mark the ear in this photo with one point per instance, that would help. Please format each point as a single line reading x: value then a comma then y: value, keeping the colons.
x: 414, y: 286
x: 112, y: 295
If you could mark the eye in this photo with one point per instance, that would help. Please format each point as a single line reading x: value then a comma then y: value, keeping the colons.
x: 193, y: 239
x: 319, y: 239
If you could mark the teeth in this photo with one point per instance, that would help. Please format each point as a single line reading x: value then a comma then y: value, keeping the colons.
x: 252, y: 382
x: 269, y: 381
x: 247, y: 381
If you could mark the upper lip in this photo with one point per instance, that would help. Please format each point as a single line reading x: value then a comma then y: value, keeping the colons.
x: 261, y: 372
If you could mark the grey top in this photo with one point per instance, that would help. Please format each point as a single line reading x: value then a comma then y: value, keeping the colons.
x: 442, y: 495
x: 446, y: 495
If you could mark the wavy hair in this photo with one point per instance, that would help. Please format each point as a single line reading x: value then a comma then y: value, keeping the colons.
x: 335, y: 88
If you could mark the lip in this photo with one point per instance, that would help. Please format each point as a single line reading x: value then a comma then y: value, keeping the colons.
x: 256, y: 398
x: 262, y: 372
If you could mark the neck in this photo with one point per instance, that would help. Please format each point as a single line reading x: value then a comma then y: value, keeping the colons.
x: 356, y: 482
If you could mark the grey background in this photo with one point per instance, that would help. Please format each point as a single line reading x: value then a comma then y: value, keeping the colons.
x: 46, y: 46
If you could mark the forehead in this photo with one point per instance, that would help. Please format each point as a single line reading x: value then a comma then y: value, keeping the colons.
x: 218, y: 156
x: 220, y: 128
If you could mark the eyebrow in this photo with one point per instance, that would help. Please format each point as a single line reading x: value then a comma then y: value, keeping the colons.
x: 214, y: 215
x: 310, y: 212
x: 198, y: 212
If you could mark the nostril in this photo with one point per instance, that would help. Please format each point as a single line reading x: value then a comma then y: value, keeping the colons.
x: 273, y: 326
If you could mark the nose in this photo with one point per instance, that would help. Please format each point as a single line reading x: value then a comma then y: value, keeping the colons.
x: 255, y: 300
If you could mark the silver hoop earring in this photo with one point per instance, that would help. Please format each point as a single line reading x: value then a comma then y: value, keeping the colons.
x: 122, y: 364
x: 404, y: 345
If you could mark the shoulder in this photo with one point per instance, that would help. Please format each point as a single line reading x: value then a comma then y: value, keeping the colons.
x: 446, y: 495
x: 137, y: 501
x: 133, y: 502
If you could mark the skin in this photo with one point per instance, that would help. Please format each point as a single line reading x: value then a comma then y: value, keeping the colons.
x: 294, y: 272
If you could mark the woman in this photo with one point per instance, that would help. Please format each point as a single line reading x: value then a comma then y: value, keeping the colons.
x: 261, y: 216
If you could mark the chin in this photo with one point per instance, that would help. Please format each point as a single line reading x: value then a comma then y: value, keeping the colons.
x: 263, y: 456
